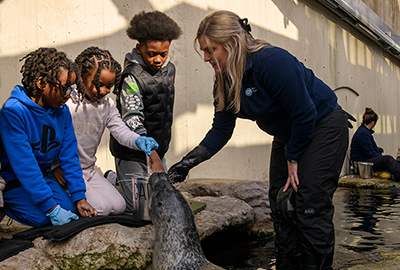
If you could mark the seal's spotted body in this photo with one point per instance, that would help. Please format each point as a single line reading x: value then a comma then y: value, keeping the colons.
x: 177, y: 244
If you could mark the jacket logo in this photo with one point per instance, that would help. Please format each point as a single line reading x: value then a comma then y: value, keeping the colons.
x: 309, y: 211
x: 132, y: 88
x: 249, y: 91
x: 47, y: 143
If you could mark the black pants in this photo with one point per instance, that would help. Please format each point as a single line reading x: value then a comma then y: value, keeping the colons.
x: 310, y: 244
x: 386, y: 163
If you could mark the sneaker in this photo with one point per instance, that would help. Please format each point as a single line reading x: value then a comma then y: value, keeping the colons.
x: 111, y: 176
x: 382, y: 175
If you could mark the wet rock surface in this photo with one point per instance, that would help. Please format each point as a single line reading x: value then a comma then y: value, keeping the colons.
x: 354, y: 181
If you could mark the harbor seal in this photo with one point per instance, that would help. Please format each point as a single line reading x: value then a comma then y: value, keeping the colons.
x: 177, y: 243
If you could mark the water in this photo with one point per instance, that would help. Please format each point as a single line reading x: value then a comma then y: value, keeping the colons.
x: 367, y: 221
x: 234, y: 249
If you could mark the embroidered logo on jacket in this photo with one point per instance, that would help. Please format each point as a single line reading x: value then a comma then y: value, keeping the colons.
x: 249, y: 91
x: 47, y: 143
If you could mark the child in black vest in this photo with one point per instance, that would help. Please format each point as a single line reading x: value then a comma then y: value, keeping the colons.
x: 145, y: 97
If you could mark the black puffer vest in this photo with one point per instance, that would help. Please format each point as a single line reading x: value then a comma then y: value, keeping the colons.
x: 158, y: 93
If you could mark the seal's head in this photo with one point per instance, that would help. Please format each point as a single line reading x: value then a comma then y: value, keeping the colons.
x: 167, y: 205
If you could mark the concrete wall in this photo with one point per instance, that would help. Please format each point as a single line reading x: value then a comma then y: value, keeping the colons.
x: 344, y: 59
x: 388, y: 10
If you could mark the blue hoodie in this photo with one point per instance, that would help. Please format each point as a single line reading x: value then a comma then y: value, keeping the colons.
x: 33, y: 138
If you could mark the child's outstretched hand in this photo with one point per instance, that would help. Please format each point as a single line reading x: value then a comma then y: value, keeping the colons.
x: 146, y: 144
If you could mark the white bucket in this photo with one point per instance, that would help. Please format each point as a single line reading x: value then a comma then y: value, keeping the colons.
x: 141, y: 198
x: 365, y: 169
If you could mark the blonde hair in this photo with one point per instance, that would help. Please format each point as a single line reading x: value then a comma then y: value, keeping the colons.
x: 228, y: 29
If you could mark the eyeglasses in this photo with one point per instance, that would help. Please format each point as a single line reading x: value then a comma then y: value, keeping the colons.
x: 66, y: 91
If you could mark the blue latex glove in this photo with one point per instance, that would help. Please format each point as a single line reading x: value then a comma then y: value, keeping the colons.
x: 146, y: 144
x: 60, y: 216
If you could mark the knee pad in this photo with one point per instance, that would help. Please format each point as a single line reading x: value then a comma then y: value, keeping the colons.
x: 286, y: 205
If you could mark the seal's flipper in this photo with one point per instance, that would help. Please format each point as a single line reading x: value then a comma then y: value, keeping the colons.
x: 11, y: 247
x: 63, y: 232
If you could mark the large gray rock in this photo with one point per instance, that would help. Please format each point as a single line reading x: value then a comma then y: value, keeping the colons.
x: 110, y: 246
x: 113, y: 246
x: 254, y: 193
x: 220, y: 213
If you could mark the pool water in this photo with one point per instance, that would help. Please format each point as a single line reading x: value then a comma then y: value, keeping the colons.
x: 367, y: 221
x: 233, y: 249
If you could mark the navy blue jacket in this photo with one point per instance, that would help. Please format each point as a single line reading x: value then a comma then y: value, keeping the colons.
x: 363, y: 146
x: 282, y: 96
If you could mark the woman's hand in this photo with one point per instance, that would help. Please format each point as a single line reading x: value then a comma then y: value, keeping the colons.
x: 85, y: 209
x: 292, y: 180
x: 59, y: 177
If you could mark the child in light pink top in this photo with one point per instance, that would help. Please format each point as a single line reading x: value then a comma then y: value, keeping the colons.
x: 92, y: 111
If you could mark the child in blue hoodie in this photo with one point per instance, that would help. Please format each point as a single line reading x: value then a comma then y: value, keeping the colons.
x: 36, y: 128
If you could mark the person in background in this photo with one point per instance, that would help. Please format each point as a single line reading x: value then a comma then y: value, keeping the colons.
x: 36, y: 129
x: 145, y: 98
x: 92, y: 111
x: 364, y: 148
x: 266, y: 84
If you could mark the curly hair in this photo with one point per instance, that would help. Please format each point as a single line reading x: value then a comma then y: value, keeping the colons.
x: 369, y: 116
x: 93, y: 58
x: 44, y: 63
x: 153, y: 25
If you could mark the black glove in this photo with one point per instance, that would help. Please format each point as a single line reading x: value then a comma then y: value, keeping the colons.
x: 179, y: 171
x: 350, y: 117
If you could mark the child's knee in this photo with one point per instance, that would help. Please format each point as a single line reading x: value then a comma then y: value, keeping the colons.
x: 34, y: 219
x: 103, y: 208
x: 41, y: 221
x: 119, y: 206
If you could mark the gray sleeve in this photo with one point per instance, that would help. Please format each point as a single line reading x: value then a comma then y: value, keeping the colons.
x: 132, y: 106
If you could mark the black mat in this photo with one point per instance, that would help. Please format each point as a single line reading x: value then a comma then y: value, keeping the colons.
x: 11, y: 247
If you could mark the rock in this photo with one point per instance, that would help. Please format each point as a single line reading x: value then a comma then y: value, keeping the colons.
x: 220, y: 213
x: 254, y: 193
x: 110, y: 246
x: 354, y: 181
x: 113, y: 246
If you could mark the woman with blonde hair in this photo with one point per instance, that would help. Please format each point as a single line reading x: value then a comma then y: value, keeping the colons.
x: 257, y: 81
